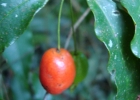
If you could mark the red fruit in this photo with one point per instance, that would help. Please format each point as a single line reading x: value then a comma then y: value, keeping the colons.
x: 57, y: 70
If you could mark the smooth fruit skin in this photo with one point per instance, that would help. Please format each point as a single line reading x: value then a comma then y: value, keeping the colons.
x: 57, y: 70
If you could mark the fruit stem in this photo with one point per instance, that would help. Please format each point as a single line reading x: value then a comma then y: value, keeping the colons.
x: 72, y: 22
x: 45, y: 96
x: 59, y: 18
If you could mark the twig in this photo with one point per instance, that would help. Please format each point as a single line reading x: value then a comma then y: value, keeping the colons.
x: 45, y: 96
x: 76, y: 26
x: 76, y: 5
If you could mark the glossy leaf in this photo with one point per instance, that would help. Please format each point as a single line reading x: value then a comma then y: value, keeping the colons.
x: 115, y: 29
x: 133, y: 9
x: 15, y: 16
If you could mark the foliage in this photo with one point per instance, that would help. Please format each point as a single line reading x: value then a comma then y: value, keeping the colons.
x: 15, y: 17
x: 116, y: 25
x: 133, y: 9
x: 115, y: 28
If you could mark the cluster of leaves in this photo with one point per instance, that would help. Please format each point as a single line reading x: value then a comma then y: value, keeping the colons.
x: 116, y: 21
x: 19, y: 63
x: 115, y: 24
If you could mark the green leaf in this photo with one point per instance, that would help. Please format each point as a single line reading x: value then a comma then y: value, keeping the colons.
x: 133, y: 8
x: 15, y: 15
x: 81, y: 63
x: 18, y: 56
x: 115, y: 28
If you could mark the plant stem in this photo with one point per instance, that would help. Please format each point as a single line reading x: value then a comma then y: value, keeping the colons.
x: 58, y: 30
x: 76, y: 25
x: 45, y: 96
x: 72, y: 22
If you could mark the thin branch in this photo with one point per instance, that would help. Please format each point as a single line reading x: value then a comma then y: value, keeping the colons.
x: 76, y: 5
x: 76, y: 25
x: 45, y: 96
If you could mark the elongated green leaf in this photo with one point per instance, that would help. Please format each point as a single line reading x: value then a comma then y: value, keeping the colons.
x: 133, y: 8
x: 15, y: 16
x: 115, y: 28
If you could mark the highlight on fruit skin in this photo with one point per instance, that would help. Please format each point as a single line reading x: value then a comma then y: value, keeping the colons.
x: 57, y: 70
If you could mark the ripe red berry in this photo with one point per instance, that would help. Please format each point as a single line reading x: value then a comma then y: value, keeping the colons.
x: 57, y: 70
